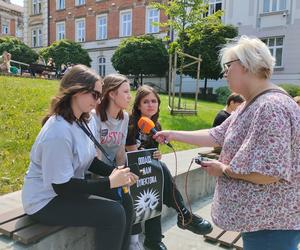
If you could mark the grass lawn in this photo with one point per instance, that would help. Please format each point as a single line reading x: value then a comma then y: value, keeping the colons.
x: 23, y: 103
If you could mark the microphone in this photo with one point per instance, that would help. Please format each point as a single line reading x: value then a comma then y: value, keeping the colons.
x: 147, y: 125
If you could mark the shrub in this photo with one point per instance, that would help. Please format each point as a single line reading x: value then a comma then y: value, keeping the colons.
x: 19, y: 51
x: 64, y: 51
x: 222, y: 94
x: 292, y: 89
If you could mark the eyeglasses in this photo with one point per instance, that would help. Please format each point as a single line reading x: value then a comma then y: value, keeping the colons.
x: 228, y: 64
x: 96, y: 94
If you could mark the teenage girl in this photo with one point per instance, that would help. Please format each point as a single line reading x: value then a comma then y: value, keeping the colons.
x: 55, y: 190
x: 147, y: 103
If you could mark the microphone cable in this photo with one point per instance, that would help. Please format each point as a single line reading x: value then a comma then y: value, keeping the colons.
x: 184, y: 223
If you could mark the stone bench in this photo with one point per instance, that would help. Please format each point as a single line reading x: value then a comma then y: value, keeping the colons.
x: 18, y: 231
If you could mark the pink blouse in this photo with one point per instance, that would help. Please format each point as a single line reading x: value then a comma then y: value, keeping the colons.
x: 264, y: 139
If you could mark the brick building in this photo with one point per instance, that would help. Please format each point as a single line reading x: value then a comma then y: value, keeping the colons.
x: 100, y: 25
x: 11, y: 19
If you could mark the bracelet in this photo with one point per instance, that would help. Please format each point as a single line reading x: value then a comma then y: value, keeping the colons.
x: 226, y: 175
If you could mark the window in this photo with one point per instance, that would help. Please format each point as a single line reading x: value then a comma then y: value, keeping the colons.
x: 80, y: 30
x: 101, y: 61
x: 275, y: 45
x: 125, y: 23
x: 101, y: 27
x: 60, y: 31
x: 37, y: 37
x: 152, y: 16
x: 214, y: 6
x: 5, y: 28
x: 79, y: 2
x: 274, y: 5
x: 36, y: 7
x: 60, y: 4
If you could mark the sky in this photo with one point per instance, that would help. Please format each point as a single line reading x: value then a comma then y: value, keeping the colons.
x: 18, y: 2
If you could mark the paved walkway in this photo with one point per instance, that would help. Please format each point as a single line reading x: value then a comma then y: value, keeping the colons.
x: 178, y: 239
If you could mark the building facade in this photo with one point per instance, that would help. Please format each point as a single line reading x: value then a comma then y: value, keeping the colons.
x: 101, y: 25
x: 277, y: 23
x: 11, y: 19
x: 36, y: 23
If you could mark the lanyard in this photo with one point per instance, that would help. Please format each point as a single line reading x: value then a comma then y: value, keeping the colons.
x: 83, y: 125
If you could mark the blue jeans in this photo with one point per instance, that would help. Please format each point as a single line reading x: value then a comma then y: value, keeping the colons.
x: 271, y: 240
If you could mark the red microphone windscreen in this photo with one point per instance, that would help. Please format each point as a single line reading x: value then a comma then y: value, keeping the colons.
x: 145, y: 124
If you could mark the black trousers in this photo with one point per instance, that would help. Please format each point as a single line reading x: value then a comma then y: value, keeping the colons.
x: 153, y: 231
x: 111, y: 217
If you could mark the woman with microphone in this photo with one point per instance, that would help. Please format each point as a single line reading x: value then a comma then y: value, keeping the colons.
x: 258, y: 172
x: 146, y: 104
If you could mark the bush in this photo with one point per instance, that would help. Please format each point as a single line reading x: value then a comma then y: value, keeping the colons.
x: 222, y: 94
x: 64, y: 51
x: 19, y: 51
x: 139, y: 56
x: 292, y: 89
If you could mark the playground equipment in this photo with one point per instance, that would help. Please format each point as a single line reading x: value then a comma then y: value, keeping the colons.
x: 172, y: 78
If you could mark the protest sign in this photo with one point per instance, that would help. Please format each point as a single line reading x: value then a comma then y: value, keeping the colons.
x: 147, y: 193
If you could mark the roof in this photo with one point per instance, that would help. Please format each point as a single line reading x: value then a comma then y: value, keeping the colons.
x: 10, y: 6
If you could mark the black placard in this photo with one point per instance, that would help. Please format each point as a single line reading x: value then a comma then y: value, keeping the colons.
x: 147, y: 193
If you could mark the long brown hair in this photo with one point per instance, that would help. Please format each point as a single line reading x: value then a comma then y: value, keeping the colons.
x: 110, y: 83
x: 136, y: 113
x: 79, y: 78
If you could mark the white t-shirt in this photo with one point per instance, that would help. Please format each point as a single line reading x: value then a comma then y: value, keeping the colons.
x: 61, y: 151
x: 112, y: 134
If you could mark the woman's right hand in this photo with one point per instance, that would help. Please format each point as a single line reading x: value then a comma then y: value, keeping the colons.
x: 163, y: 136
x: 122, y: 177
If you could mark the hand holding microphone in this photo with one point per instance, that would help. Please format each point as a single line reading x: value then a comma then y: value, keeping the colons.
x: 146, y: 125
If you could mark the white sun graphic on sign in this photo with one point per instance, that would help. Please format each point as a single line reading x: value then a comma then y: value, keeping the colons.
x: 146, y: 202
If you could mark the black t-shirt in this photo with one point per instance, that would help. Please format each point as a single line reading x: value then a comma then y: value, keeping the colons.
x: 141, y: 140
x: 220, y: 118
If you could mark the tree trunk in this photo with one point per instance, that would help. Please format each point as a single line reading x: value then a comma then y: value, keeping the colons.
x: 141, y: 79
x: 205, y: 85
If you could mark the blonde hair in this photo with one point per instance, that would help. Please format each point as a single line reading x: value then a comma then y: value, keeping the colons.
x: 253, y: 54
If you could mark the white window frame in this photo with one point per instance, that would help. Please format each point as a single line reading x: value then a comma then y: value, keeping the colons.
x: 60, y: 31
x: 275, y: 48
x: 101, y: 27
x: 212, y: 6
x: 150, y: 28
x: 102, y: 65
x: 36, y: 7
x: 79, y: 2
x: 80, y: 32
x: 60, y: 4
x: 5, y: 28
x: 125, y: 25
x: 36, y: 37
x: 273, y: 5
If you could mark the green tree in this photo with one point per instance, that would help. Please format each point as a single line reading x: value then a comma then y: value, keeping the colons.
x: 140, y: 56
x: 64, y: 51
x: 18, y: 50
x: 210, y: 38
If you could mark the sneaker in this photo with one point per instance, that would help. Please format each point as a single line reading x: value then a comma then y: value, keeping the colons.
x: 154, y: 245
x: 135, y: 244
x: 198, y: 225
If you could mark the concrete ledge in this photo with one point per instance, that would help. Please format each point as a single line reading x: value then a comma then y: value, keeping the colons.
x: 199, y: 185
